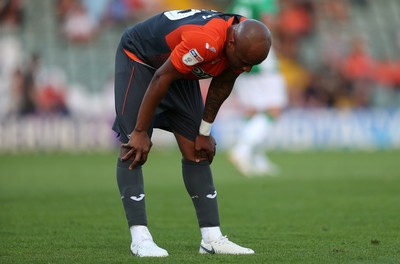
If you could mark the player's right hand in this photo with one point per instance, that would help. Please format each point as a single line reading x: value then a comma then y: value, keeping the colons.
x: 138, y: 147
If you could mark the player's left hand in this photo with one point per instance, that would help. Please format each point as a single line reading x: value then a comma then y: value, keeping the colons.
x: 204, y: 147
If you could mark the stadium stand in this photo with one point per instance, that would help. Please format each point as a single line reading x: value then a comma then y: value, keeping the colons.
x: 91, y: 64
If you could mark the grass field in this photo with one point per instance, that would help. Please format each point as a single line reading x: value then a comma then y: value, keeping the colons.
x: 326, y: 207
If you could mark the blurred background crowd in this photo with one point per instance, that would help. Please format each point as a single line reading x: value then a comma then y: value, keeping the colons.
x: 57, y: 56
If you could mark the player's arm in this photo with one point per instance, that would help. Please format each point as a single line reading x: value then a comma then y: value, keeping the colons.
x: 220, y: 88
x: 139, y: 143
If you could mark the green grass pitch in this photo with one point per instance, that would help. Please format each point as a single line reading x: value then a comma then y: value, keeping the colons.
x: 325, y: 207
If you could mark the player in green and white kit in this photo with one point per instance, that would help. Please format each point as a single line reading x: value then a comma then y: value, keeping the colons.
x: 262, y: 93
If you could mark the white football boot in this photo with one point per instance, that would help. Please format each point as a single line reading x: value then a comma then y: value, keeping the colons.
x: 241, y: 163
x: 262, y: 166
x: 223, y: 246
x: 143, y: 245
x: 147, y: 248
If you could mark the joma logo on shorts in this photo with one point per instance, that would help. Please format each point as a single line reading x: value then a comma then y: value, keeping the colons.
x: 200, y: 73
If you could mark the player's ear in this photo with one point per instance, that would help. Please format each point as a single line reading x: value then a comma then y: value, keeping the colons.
x: 230, y: 38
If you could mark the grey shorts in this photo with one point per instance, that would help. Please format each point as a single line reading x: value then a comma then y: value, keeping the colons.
x: 180, y: 111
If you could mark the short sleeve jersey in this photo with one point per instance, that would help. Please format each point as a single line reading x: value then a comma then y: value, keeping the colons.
x: 193, y: 39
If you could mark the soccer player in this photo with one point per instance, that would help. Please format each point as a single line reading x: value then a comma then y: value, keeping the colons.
x: 158, y: 66
x: 262, y: 94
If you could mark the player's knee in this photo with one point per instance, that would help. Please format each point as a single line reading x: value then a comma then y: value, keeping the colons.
x: 186, y: 147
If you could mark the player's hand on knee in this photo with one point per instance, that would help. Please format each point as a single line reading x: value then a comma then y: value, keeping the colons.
x: 205, y: 148
x: 138, y: 147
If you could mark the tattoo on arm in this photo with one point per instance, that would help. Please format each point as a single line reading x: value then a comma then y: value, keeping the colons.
x: 220, y: 88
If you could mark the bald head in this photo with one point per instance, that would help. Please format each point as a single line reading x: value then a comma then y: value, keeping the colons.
x: 253, y: 39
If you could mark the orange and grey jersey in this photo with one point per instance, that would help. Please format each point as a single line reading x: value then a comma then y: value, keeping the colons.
x: 193, y: 39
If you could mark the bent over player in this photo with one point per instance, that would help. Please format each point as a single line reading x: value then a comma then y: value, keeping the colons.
x: 158, y: 64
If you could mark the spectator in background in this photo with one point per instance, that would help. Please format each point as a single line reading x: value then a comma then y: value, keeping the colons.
x: 385, y: 72
x: 63, y: 7
x: 328, y: 85
x: 295, y: 22
x: 11, y: 14
x: 19, y: 95
x: 52, y: 92
x: 10, y: 61
x: 38, y: 90
x: 24, y: 87
x: 337, y: 10
x: 120, y: 11
x: 125, y: 11
x: 96, y: 9
x: 327, y: 88
x: 297, y: 80
x: 51, y: 100
x: 358, y: 68
x: 387, y: 76
x: 78, y: 26
x: 28, y: 104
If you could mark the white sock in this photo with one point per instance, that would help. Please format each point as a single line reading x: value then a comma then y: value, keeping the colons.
x: 210, y: 234
x: 140, y: 233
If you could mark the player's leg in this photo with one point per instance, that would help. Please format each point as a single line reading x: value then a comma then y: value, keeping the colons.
x: 242, y: 153
x: 251, y: 142
x: 130, y: 183
x: 249, y: 151
x: 199, y: 184
x: 131, y: 81
x: 270, y: 110
x: 266, y: 96
x: 184, y: 120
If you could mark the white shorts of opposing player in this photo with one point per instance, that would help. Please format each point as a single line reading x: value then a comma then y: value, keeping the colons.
x: 262, y: 90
